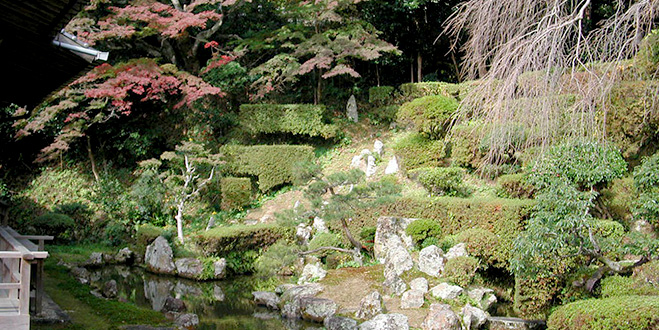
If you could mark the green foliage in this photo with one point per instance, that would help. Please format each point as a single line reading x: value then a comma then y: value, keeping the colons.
x: 442, y: 181
x: 461, y: 270
x: 325, y: 239
x: 384, y: 115
x: 466, y: 148
x: 59, y: 225
x: 646, y: 182
x: 482, y: 244
x: 514, y: 186
x: 220, y: 241
x: 241, y: 262
x: 429, y: 115
x: 416, y: 151
x: 274, y: 165
x: 147, y: 233
x: 231, y: 78
x: 59, y: 186
x: 619, y: 199
x: 447, y: 242
x: 647, y: 57
x: 380, y: 95
x: 534, y: 296
x: 620, y: 313
x: 616, y: 285
x: 149, y: 194
x: 583, y: 163
x: 279, y: 258
x: 422, y: 229
x: 416, y: 90
x: 296, y: 119
x: 236, y: 192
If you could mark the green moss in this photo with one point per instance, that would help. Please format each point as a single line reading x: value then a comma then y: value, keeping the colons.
x: 415, y: 150
x: 236, y: 193
x: 220, y: 241
x: 429, y: 115
x: 620, y: 313
x: 296, y: 119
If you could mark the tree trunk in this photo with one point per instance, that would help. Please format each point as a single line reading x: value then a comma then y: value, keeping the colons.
x: 412, y: 71
x: 179, y: 221
x: 377, y: 74
x: 91, y: 159
x: 319, y: 85
x: 352, y: 239
x: 458, y: 76
x: 419, y: 65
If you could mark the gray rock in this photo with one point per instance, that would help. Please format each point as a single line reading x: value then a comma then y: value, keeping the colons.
x: 312, y: 273
x: 283, y: 288
x: 459, y: 250
x: 431, y: 260
x: 392, y: 166
x: 441, y: 317
x: 157, y: 292
x: 378, y: 147
x: 473, y: 317
x: 319, y: 225
x: 394, y: 286
x: 267, y: 299
x: 370, y: 306
x: 220, y: 269
x: 81, y: 274
x: 316, y: 309
x: 334, y: 322
x: 391, y: 321
x: 124, y: 256
x: 365, y: 153
x: 351, y: 109
x: 446, y: 291
x: 370, y: 166
x: 95, y: 260
x: 189, y: 268
x: 411, y: 299
x: 398, y: 257
x: 419, y: 284
x: 484, y: 297
x: 356, y: 162
x: 187, y: 321
x: 173, y: 305
x: 388, y: 227
x: 513, y: 323
x: 303, y: 233
x: 218, y: 293
x: 159, y: 257
x: 110, y: 289
x: 290, y: 299
x: 184, y: 289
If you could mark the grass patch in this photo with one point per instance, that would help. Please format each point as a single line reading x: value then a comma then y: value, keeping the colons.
x: 77, y: 253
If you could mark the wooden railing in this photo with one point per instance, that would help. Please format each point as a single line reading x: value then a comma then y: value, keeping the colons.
x: 17, y: 254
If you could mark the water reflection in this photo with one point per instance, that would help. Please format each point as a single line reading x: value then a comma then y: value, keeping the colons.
x: 223, y: 304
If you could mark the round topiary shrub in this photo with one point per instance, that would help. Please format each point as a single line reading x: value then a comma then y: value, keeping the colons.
x: 443, y: 181
x: 461, y: 270
x: 422, y: 229
x: 429, y: 115
x: 56, y: 224
x: 620, y: 313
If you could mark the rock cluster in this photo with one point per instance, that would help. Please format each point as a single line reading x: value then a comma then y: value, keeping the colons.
x: 159, y: 259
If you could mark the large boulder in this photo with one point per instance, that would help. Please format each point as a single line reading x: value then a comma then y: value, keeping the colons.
x: 95, y: 260
x: 411, y: 299
x: 124, y: 256
x: 441, y: 317
x: 398, y: 257
x: 394, y: 286
x: 220, y: 269
x: 392, y: 321
x: 484, y: 297
x: 303, y: 233
x: 159, y: 257
x: 458, y: 250
x: 316, y: 309
x: 312, y: 273
x: 370, y: 166
x: 378, y: 147
x: 392, y: 166
x: 431, y: 260
x: 319, y: 225
x: 173, y: 305
x: 334, y: 322
x: 189, y: 268
x: 419, y: 284
x: 388, y: 227
x: 370, y: 306
x: 446, y: 291
x: 473, y: 318
x: 187, y: 321
x: 290, y: 299
x: 351, y: 109
x: 267, y: 299
x: 110, y: 289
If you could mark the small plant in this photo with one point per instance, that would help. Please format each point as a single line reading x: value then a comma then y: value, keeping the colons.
x: 422, y: 229
x: 461, y: 270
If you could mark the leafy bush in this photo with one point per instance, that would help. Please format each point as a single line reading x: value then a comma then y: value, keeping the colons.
x: 59, y: 225
x: 466, y: 148
x: 325, y: 239
x: 83, y: 227
x: 643, y: 282
x: 415, y: 90
x: 534, y: 296
x: 482, y: 244
x: 646, y: 181
x: 647, y: 57
x: 274, y: 165
x: 442, y: 181
x: 417, y: 151
x: 149, y: 194
x: 236, y: 192
x: 514, y: 186
x: 241, y: 262
x: 447, y: 242
x: 60, y: 186
x: 383, y: 115
x: 620, y: 313
x: 297, y: 119
x: 422, y: 229
x: 380, y: 95
x: 429, y: 115
x: 279, y: 258
x: 461, y: 270
x: 220, y: 241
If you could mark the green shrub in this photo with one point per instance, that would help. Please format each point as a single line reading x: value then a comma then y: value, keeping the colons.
x: 647, y: 57
x: 646, y: 181
x: 60, y: 186
x: 416, y: 151
x: 383, y: 115
x: 514, y: 186
x: 466, y: 148
x: 279, y: 258
x: 236, y: 193
x: 482, y: 244
x: 431, y: 241
x: 274, y: 165
x: 241, y: 262
x: 535, y: 296
x: 422, y: 229
x: 220, y: 241
x: 429, y: 115
x: 620, y: 313
x: 643, y: 282
x: 415, y: 90
x: 461, y: 270
x: 447, y: 242
x: 325, y: 239
x: 59, y: 225
x: 442, y: 181
x: 380, y: 95
x: 116, y: 234
x: 296, y: 119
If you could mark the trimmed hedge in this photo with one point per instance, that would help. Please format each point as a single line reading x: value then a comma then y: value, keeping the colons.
x: 461, y: 270
x: 442, y: 181
x: 429, y: 115
x: 380, y: 95
x: 415, y: 90
x: 466, y: 147
x: 236, y: 192
x: 479, y: 243
x: 415, y: 150
x: 274, y: 165
x: 643, y: 282
x: 297, y: 119
x: 514, y: 186
x: 619, y: 313
x: 221, y: 241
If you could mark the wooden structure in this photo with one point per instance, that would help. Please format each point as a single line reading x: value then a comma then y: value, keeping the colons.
x: 17, y: 257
